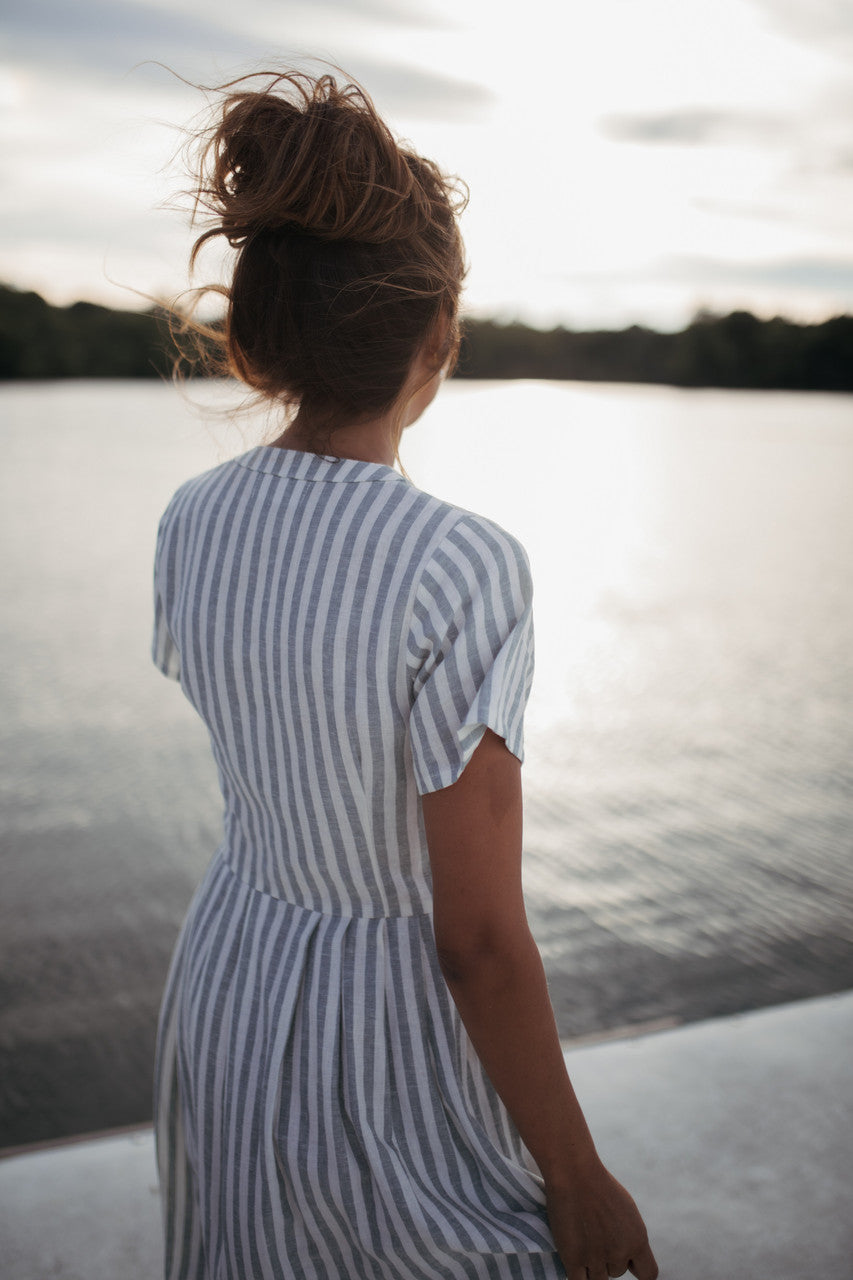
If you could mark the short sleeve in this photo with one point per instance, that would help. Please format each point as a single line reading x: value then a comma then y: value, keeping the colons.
x: 471, y: 640
x: 164, y: 651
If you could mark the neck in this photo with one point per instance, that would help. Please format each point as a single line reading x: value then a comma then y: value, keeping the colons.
x: 371, y: 441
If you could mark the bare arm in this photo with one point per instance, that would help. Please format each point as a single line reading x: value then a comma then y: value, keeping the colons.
x: 494, y: 972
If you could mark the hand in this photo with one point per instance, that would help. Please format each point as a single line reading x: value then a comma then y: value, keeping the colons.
x: 598, y: 1230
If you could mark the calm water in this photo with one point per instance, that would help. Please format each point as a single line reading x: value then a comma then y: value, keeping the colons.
x: 690, y: 736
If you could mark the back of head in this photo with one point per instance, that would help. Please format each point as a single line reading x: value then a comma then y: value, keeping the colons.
x: 349, y: 258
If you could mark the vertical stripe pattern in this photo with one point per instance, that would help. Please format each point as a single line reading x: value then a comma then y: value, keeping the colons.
x: 320, y: 1112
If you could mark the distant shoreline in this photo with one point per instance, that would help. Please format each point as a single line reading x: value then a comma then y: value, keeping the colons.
x: 39, y: 341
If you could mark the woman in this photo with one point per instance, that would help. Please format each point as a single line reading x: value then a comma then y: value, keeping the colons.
x: 358, y: 1069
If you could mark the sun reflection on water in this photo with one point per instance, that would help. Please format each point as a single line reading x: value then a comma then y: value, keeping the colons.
x: 584, y: 505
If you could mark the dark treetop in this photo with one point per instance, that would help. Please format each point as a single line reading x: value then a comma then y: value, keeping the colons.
x: 38, y: 340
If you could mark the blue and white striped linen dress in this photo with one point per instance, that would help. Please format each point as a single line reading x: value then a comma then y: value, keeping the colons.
x: 320, y: 1112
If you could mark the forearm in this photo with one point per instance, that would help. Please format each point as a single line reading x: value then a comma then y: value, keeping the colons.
x: 502, y: 998
x: 494, y: 972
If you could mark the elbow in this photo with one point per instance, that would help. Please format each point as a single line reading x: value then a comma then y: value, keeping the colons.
x: 454, y: 961
x: 478, y: 955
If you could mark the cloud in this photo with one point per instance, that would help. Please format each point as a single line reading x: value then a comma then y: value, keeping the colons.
x: 114, y: 36
x: 697, y: 127
x: 725, y: 208
x: 842, y: 160
x: 833, y: 276
x: 825, y: 24
x: 816, y: 142
x: 815, y: 275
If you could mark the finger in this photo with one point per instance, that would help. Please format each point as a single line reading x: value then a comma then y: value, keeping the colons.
x: 617, y: 1268
x: 643, y: 1265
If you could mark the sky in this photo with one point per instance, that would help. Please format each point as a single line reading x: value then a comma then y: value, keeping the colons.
x: 629, y: 161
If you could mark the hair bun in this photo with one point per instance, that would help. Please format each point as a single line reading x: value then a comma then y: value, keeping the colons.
x: 307, y: 154
x: 327, y: 322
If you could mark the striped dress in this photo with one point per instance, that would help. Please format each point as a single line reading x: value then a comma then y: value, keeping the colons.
x: 320, y: 1112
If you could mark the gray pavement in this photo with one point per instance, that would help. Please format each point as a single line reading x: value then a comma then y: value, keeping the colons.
x: 735, y: 1136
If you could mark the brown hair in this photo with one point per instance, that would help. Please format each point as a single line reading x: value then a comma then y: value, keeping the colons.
x: 349, y: 258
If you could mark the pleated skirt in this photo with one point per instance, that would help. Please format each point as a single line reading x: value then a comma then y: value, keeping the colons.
x: 320, y: 1113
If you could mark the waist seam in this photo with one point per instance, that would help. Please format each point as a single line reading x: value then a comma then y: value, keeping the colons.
x: 221, y: 857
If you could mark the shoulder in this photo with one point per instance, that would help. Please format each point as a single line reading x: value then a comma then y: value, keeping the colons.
x: 471, y: 565
x: 484, y: 538
x: 196, y: 491
x: 468, y: 543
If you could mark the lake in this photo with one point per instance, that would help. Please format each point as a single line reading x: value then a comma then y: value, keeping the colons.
x: 688, y: 781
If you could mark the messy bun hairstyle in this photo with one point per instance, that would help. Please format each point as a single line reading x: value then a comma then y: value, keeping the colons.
x: 349, y: 258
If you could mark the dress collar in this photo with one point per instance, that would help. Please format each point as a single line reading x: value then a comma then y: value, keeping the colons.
x: 296, y: 465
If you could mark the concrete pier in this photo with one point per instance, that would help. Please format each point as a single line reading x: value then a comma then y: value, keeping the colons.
x: 735, y: 1137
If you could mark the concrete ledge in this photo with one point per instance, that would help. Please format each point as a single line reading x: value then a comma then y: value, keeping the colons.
x: 82, y: 1211
x: 735, y: 1137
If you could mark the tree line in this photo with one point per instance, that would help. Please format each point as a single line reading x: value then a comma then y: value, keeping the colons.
x: 38, y: 340
x: 737, y: 350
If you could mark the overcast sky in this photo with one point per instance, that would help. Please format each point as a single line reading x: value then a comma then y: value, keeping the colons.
x: 629, y: 160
